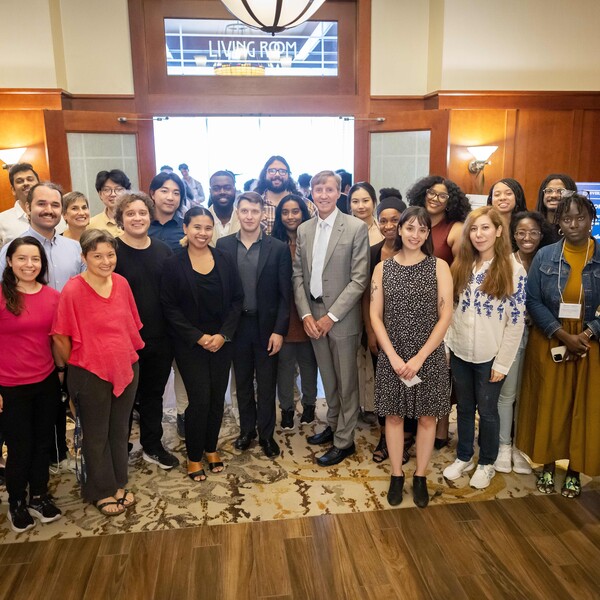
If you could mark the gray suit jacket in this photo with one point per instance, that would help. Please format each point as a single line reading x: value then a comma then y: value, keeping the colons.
x: 345, y: 272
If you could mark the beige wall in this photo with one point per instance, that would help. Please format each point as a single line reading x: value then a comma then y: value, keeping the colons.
x: 399, y: 47
x: 78, y: 45
x: 26, y: 45
x: 485, y: 45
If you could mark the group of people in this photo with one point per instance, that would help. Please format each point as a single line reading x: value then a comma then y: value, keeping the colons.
x: 493, y: 309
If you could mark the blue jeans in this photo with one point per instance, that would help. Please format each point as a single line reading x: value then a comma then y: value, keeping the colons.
x: 474, y: 391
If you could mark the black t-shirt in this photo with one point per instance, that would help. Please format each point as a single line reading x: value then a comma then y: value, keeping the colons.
x: 143, y: 269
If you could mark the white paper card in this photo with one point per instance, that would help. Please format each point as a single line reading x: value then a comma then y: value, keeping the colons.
x: 410, y: 382
x: 569, y: 311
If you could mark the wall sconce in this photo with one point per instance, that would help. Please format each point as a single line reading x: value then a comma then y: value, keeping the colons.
x: 482, y: 155
x: 11, y: 156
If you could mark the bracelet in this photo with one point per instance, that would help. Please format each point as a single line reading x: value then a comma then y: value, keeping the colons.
x: 60, y: 369
x: 588, y: 333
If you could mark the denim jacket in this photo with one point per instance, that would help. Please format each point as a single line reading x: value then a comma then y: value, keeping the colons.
x: 543, y: 298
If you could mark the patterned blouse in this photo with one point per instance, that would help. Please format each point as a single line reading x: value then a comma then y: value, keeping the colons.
x: 485, y: 328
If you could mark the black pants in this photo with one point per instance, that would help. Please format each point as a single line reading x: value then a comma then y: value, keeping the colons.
x: 29, y: 417
x: 155, y: 367
x: 205, y: 376
x: 105, y: 426
x: 250, y: 356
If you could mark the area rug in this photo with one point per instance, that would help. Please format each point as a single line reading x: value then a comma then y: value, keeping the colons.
x: 255, y: 488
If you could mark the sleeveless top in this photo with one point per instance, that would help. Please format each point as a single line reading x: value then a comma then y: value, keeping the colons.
x: 439, y: 236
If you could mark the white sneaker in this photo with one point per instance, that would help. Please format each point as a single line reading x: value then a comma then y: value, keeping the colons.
x: 503, y: 463
x: 457, y: 468
x: 520, y: 463
x: 482, y: 476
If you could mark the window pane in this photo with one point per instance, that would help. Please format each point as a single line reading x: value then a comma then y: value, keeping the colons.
x: 209, y: 47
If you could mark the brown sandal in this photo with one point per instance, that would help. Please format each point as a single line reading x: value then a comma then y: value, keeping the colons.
x: 195, y: 469
x: 215, y: 464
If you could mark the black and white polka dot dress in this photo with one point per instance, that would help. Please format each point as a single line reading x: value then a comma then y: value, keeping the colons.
x: 410, y: 314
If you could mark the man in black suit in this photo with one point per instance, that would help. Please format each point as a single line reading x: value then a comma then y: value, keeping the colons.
x: 265, y: 267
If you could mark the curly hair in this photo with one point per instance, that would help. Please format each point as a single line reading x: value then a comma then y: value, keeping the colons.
x: 583, y: 204
x: 262, y: 184
x: 498, y: 281
x: 458, y: 204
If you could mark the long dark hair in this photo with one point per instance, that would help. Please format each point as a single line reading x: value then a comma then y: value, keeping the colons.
x: 12, y: 297
x: 279, y: 231
x: 363, y: 185
x: 517, y: 189
x: 567, y: 182
x: 422, y: 216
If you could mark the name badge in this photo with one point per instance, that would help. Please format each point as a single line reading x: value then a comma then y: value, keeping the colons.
x: 569, y: 311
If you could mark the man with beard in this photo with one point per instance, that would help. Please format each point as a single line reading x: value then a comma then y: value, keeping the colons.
x: 14, y: 221
x: 222, y: 199
x: 274, y: 182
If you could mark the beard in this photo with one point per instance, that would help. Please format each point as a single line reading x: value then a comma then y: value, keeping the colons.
x: 284, y: 186
x: 222, y: 209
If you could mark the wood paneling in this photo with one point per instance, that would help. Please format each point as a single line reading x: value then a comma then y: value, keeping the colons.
x: 160, y: 93
x: 22, y: 99
x: 537, y: 547
x: 22, y: 128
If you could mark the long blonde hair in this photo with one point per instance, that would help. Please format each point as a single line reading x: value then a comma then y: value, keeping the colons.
x: 498, y: 281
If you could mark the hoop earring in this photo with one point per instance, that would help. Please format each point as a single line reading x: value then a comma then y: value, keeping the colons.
x: 560, y: 231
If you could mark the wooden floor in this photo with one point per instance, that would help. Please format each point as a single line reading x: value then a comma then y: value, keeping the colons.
x: 534, y: 547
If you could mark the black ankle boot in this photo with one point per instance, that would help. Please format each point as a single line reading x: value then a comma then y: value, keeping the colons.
x: 394, y: 496
x: 420, y: 493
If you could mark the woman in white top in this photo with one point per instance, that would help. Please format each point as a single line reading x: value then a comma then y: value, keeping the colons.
x: 484, y: 336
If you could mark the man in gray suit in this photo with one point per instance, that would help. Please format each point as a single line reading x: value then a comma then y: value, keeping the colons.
x: 331, y: 272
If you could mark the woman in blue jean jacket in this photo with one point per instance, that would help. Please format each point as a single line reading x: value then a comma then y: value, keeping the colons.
x: 560, y: 404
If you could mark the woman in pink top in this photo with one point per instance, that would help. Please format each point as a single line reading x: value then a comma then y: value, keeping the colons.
x: 97, y: 330
x: 29, y: 383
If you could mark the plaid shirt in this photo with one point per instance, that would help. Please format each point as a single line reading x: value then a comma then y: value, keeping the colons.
x: 269, y: 217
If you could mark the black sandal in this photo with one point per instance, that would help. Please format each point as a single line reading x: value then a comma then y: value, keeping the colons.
x: 545, y: 482
x: 381, y: 452
x: 216, y: 466
x: 197, y: 471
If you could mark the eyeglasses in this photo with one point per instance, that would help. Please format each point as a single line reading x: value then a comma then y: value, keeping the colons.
x: 277, y: 171
x: 534, y: 235
x: 217, y: 188
x: 441, y: 196
x: 109, y: 191
x: 553, y: 191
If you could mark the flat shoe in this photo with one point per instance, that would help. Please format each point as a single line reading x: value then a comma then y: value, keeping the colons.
x: 101, y: 506
x: 123, y: 500
x: 571, y: 487
x: 545, y: 482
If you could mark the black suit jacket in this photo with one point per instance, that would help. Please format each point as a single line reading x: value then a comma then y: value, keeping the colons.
x: 179, y: 296
x: 274, y: 285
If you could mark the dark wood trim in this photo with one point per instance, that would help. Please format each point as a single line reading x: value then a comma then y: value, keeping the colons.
x: 363, y: 53
x: 386, y: 104
x: 515, y: 99
x: 30, y: 98
x: 510, y: 132
x: 576, y: 139
x: 117, y: 103
x: 57, y: 148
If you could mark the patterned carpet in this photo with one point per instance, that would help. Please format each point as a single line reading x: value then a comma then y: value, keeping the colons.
x: 254, y: 488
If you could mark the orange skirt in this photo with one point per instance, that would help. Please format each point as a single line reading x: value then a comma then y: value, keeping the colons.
x: 559, y: 409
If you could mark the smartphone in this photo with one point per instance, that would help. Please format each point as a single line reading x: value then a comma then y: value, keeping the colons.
x: 558, y: 353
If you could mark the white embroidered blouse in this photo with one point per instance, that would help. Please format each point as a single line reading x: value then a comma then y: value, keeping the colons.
x: 484, y: 328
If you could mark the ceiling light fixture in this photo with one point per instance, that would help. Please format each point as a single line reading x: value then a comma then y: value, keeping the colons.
x: 272, y: 16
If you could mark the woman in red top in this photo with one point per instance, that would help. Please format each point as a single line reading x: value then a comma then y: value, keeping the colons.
x: 29, y: 383
x: 97, y: 330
